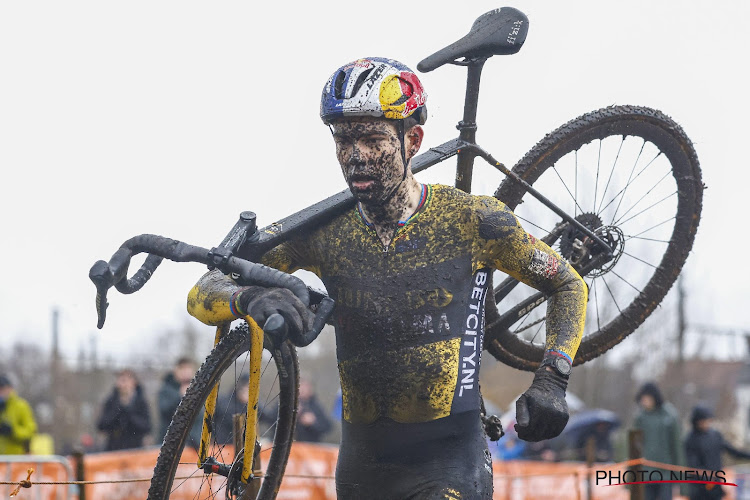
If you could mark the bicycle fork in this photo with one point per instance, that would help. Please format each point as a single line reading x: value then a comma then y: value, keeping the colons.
x: 256, y: 354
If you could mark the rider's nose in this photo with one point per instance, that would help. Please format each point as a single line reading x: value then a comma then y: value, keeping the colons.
x: 355, y: 160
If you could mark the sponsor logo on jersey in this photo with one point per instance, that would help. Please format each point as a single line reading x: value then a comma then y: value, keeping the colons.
x: 471, y: 344
x: 544, y: 264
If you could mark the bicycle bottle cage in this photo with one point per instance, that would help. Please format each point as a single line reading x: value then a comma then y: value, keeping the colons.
x: 498, y: 32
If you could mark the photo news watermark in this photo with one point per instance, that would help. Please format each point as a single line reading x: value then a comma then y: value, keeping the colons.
x: 689, y: 476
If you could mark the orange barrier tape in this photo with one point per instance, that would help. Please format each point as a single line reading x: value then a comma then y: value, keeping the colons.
x: 310, y: 474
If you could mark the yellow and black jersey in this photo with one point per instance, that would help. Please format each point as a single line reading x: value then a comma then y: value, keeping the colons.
x: 409, y: 316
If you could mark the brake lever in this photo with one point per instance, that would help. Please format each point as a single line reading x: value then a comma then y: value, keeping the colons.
x: 103, y: 279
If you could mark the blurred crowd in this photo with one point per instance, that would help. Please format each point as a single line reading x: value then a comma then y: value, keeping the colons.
x: 126, y: 419
x: 589, y: 437
x: 125, y: 422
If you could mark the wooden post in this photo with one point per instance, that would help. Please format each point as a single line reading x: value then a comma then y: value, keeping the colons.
x: 238, y: 428
x: 238, y: 432
x: 80, y: 473
x: 635, y: 450
x: 590, y: 451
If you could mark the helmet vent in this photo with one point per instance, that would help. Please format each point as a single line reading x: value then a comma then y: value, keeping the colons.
x: 338, y: 85
x: 361, y: 80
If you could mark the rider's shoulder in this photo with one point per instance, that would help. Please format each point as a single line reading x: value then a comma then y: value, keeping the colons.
x: 472, y: 201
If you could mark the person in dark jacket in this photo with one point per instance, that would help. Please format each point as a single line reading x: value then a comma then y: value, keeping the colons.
x: 312, y: 421
x: 662, y: 436
x: 172, y: 389
x: 703, y: 447
x: 125, y: 415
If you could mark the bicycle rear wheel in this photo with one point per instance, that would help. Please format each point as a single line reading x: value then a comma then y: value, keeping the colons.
x: 177, y: 475
x: 632, y: 176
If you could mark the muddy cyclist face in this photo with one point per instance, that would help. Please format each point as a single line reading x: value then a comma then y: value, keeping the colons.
x: 369, y: 152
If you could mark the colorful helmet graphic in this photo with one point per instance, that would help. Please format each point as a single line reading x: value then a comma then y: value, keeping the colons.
x: 374, y: 86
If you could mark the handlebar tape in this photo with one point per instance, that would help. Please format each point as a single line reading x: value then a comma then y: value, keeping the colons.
x: 323, y: 313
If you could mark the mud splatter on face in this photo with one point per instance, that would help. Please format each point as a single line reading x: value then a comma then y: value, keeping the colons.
x: 369, y: 152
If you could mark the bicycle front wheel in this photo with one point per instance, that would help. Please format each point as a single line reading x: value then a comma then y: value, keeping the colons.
x: 631, y: 175
x: 177, y: 474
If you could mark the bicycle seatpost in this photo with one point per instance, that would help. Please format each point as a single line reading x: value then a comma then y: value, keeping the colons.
x: 468, y: 126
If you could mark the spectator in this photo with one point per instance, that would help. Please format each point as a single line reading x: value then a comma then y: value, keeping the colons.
x: 17, y: 424
x: 229, y: 405
x: 312, y: 421
x: 662, y: 441
x: 172, y: 389
x: 703, y: 448
x: 125, y: 416
x: 540, y: 450
x: 600, y: 433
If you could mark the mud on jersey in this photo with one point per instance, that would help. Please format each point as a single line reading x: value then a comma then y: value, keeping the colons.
x: 409, y: 317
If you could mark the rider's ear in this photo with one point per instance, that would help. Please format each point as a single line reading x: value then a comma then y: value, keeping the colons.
x: 414, y: 138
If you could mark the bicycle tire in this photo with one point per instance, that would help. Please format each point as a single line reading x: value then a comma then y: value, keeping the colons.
x: 232, y: 346
x: 669, y: 139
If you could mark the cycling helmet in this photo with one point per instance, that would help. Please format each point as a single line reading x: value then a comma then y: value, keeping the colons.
x: 374, y: 86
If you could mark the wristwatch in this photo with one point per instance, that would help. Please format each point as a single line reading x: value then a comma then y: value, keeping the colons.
x: 558, y: 363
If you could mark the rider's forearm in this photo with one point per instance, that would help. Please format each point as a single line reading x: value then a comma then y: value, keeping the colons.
x: 512, y: 250
x: 566, y: 312
x: 210, y: 298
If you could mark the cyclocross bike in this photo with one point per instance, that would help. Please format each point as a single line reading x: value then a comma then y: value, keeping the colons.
x: 622, y: 200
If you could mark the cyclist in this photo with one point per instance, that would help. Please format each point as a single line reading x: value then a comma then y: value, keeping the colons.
x: 409, y: 269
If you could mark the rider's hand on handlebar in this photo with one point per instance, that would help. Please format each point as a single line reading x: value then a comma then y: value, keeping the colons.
x: 541, y: 411
x: 260, y: 303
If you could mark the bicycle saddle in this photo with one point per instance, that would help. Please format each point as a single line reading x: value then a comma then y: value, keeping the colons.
x: 498, y: 32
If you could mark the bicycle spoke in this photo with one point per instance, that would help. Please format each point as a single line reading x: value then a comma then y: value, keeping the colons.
x: 567, y: 189
x: 530, y: 325
x: 626, y: 281
x: 627, y: 237
x: 269, y: 429
x: 614, y: 222
x: 535, y: 225
x: 525, y: 317
x: 189, y: 477
x: 648, y: 208
x: 611, y: 172
x: 612, y: 295
x: 646, y: 239
x: 624, y: 190
x: 638, y: 259
x: 596, y: 184
x: 267, y: 402
x: 596, y: 302
x: 575, y: 213
x: 630, y: 180
x: 537, y: 332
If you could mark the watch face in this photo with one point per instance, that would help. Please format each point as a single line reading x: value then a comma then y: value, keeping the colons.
x: 563, y: 366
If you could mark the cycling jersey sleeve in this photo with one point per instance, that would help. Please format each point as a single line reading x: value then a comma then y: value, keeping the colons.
x: 506, y: 246
x: 293, y: 255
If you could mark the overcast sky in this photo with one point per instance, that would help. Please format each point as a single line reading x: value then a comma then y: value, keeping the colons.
x: 121, y: 118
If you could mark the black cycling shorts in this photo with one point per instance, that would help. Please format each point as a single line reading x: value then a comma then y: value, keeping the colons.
x: 391, y: 461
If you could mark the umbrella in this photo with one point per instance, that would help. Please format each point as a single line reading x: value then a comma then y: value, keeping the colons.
x: 585, y: 422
